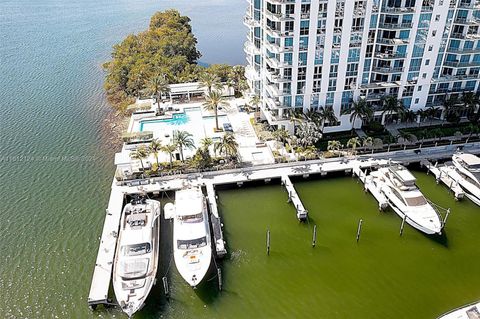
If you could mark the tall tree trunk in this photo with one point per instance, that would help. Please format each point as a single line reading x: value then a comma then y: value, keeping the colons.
x: 181, y: 154
x: 216, y: 116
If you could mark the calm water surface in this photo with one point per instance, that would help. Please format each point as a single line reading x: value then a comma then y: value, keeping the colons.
x: 56, y: 172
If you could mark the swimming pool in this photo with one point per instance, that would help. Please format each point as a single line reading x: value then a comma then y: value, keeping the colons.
x: 191, y: 120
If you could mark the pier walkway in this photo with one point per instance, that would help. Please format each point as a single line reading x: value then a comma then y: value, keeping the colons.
x: 302, y: 213
x: 102, y: 273
x: 220, y: 249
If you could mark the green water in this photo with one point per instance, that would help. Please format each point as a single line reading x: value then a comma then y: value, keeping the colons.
x: 382, y: 276
x: 56, y: 169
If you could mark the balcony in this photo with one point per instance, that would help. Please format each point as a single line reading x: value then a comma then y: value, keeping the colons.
x: 390, y: 56
x: 387, y: 69
x: 281, y: 1
x: 277, y: 48
x: 251, y: 74
x: 274, y: 63
x: 395, y: 41
x: 394, y: 26
x: 392, y: 10
x: 427, y: 8
x: 278, y: 33
x: 250, y: 22
x: 457, y: 64
x: 250, y: 48
x: 466, y: 21
x: 279, y: 17
x: 276, y: 77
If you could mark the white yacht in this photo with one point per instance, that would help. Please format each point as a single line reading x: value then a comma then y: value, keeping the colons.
x: 468, y: 167
x: 136, y: 257
x: 471, y: 311
x: 398, y: 186
x: 191, y: 235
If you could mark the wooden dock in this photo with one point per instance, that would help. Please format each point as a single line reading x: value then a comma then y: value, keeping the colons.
x: 102, y: 273
x: 215, y: 220
x: 448, y: 176
x: 302, y: 213
x: 369, y: 186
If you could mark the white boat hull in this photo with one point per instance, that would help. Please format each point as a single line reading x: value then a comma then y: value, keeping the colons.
x: 132, y: 293
x: 192, y: 247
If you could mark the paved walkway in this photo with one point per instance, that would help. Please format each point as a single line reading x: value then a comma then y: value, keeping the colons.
x: 247, y: 140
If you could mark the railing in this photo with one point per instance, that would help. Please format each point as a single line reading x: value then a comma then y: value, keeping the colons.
x: 383, y: 25
x: 387, y: 69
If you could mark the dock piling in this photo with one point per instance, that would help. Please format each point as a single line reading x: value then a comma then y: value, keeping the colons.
x: 165, y: 287
x: 314, y: 240
x: 268, y: 242
x: 219, y: 273
x: 403, y: 224
x: 359, y: 229
x: 446, y: 217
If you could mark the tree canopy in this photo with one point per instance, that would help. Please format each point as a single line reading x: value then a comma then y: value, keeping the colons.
x: 167, y: 49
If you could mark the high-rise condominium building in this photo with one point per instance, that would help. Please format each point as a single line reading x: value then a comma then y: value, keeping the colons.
x: 306, y: 54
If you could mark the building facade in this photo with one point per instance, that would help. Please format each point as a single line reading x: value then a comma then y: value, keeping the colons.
x: 328, y: 53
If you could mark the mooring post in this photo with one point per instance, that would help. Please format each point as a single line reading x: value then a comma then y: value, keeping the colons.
x: 219, y: 273
x: 403, y: 224
x: 314, y: 240
x: 268, y: 242
x: 359, y: 229
x: 165, y: 287
x: 446, y: 217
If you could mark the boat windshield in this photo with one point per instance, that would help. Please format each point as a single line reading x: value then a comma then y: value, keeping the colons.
x: 192, y: 243
x: 136, y: 249
x: 197, y: 218
x: 416, y: 201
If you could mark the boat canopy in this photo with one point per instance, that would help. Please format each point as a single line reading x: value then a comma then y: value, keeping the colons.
x: 471, y: 160
x: 189, y: 202
x: 403, y: 175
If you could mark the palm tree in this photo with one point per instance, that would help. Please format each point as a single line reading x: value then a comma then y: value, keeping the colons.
x: 295, y: 117
x: 391, y: 105
x: 452, y: 109
x: 280, y: 135
x: 470, y: 100
x: 334, y: 146
x: 367, y: 142
x: 170, y: 149
x: 359, y: 110
x: 183, y: 139
x: 326, y: 114
x: 157, y: 86
x: 213, y: 100
x: 140, y: 154
x: 155, y: 147
x: 255, y: 102
x: 353, y: 143
x: 227, y: 145
x: 205, y: 143
x: 408, y: 116
x: 422, y: 114
x: 210, y: 81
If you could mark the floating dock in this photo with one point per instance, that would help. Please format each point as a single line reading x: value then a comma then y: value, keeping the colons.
x: 370, y: 186
x: 448, y: 176
x: 102, y: 273
x: 302, y: 213
x: 217, y: 225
